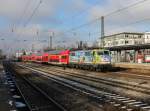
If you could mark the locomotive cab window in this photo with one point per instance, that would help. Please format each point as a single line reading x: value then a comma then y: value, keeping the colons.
x: 99, y: 53
x: 106, y: 52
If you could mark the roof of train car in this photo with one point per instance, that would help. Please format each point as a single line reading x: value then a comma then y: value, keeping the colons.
x: 88, y: 48
x: 57, y: 52
x: 85, y: 50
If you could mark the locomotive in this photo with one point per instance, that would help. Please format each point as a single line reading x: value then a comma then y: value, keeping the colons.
x: 97, y: 59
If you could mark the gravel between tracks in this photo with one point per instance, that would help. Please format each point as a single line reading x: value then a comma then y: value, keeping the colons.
x: 71, y: 100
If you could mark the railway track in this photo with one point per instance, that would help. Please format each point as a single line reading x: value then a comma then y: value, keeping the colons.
x: 120, y: 73
x: 34, y: 97
x: 107, y: 81
x: 103, y: 80
x: 122, y: 102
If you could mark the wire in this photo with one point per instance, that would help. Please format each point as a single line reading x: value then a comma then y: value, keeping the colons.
x: 21, y: 16
x: 24, y: 11
x: 133, y: 23
x: 85, y: 10
x: 82, y: 12
x: 13, y: 27
x: 125, y: 8
x: 30, y: 17
x: 111, y: 13
x: 83, y: 25
x: 34, y: 11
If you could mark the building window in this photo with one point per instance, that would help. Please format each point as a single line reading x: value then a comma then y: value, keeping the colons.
x: 116, y: 43
x: 126, y: 42
x: 126, y: 36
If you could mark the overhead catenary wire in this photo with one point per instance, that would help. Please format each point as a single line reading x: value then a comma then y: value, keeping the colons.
x: 24, y: 12
x: 90, y: 22
x: 85, y: 10
x: 125, y: 8
x: 122, y: 26
x: 14, y: 25
x: 131, y: 23
x: 22, y: 16
x: 106, y: 15
x: 33, y: 13
x: 30, y: 17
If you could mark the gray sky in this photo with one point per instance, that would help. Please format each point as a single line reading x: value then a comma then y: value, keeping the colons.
x: 59, y: 16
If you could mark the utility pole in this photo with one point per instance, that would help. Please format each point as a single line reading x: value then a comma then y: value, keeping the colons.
x: 32, y: 48
x: 89, y: 38
x: 102, y: 31
x: 51, y: 41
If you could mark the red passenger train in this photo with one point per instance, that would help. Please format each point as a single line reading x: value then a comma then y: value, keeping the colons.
x: 99, y: 59
x: 57, y: 57
x: 51, y: 57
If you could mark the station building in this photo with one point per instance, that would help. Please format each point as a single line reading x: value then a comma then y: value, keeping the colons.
x: 128, y: 47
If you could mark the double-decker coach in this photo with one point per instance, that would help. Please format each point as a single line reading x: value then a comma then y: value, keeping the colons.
x: 38, y: 58
x: 33, y: 57
x: 58, y: 57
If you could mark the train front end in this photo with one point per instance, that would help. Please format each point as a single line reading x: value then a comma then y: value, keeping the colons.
x: 102, y: 59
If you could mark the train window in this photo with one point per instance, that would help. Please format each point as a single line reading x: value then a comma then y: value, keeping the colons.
x: 106, y: 52
x: 63, y: 57
x: 126, y: 36
x: 87, y: 54
x: 139, y: 36
x: 100, y: 53
x: 126, y: 42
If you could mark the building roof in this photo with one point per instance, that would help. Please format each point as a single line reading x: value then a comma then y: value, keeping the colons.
x: 129, y: 47
x: 135, y: 33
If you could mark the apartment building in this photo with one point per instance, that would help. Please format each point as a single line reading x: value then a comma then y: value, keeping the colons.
x: 127, y: 46
x: 125, y: 38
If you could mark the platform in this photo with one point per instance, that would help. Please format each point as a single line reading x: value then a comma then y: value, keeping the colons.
x: 6, y: 101
x: 142, y: 66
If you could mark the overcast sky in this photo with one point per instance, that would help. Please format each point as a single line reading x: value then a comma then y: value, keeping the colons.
x: 18, y: 30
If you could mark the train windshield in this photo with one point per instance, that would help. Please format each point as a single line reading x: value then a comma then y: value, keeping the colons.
x: 106, y: 52
x: 103, y: 52
x: 100, y: 53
